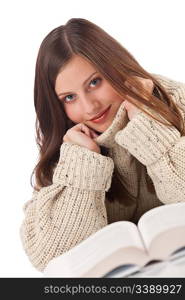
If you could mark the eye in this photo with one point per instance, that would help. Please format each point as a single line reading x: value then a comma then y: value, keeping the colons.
x: 70, y: 98
x: 95, y: 80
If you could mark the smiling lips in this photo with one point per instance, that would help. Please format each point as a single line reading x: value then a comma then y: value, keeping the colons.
x: 101, y: 117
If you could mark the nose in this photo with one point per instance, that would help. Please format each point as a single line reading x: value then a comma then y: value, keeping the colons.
x: 90, y: 106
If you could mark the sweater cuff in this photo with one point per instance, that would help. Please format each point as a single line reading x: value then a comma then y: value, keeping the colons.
x: 82, y: 168
x: 147, y: 139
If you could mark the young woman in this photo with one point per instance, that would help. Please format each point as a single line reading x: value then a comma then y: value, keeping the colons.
x: 111, y: 138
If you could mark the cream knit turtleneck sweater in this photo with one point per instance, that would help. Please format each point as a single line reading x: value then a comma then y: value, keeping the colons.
x: 74, y: 206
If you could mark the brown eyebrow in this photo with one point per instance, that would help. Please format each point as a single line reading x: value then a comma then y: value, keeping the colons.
x: 83, y: 84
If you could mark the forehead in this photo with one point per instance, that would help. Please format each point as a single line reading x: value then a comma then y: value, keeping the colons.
x: 76, y: 70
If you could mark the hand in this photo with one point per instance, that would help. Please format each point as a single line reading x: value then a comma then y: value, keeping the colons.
x: 131, y: 109
x: 83, y: 136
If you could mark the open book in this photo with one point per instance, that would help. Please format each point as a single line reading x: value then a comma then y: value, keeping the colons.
x: 125, y: 246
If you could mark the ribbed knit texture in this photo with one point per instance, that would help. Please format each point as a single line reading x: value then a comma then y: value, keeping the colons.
x: 74, y: 206
x: 79, y: 168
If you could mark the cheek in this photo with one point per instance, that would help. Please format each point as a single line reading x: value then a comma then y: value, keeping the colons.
x: 107, y: 90
x: 112, y: 94
x: 74, y: 114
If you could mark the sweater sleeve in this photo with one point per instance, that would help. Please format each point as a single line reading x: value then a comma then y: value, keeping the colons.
x: 72, y: 208
x: 161, y: 149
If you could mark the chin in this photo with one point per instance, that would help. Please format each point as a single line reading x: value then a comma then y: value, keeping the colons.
x: 104, y: 128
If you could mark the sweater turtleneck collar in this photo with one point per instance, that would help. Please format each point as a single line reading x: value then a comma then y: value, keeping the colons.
x: 120, y: 120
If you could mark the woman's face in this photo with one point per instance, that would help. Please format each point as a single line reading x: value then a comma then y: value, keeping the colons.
x: 85, y: 94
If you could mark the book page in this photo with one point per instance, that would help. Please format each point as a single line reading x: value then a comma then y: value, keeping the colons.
x: 164, y: 225
x: 94, y: 249
x: 173, y: 267
x: 129, y: 258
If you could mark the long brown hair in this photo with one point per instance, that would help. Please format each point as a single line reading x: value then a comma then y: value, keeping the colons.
x: 82, y: 37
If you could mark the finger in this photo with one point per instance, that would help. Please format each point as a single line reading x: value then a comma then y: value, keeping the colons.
x: 93, y: 134
x: 147, y: 83
x: 65, y: 138
x: 128, y: 105
x: 81, y: 127
x: 85, y: 129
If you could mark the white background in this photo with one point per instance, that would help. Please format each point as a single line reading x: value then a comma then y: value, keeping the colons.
x: 152, y: 30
